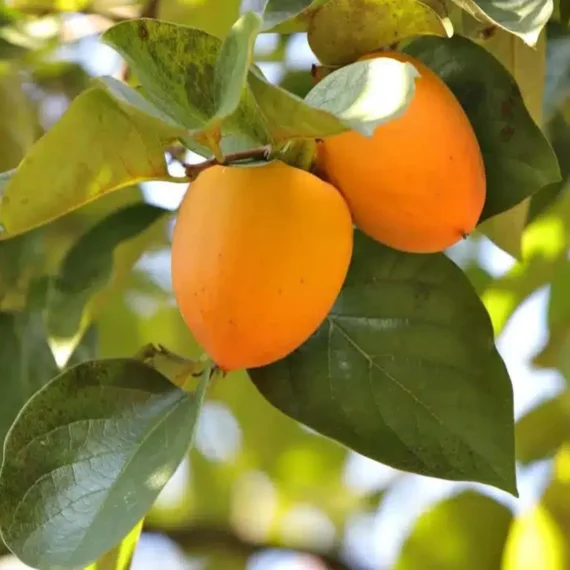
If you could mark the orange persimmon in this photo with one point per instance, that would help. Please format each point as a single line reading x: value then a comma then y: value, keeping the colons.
x: 418, y: 184
x: 259, y: 256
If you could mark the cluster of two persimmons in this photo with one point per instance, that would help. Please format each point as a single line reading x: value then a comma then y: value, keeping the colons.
x: 260, y: 253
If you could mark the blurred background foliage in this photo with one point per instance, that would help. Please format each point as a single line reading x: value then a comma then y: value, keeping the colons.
x: 259, y: 491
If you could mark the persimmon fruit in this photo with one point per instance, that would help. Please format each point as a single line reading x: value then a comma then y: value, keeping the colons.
x: 259, y: 256
x: 418, y: 184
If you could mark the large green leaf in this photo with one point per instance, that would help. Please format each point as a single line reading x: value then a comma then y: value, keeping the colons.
x: 524, y: 19
x: 405, y: 371
x: 519, y: 161
x: 87, y: 457
x: 475, y: 528
x: 98, y: 146
x: 88, y: 266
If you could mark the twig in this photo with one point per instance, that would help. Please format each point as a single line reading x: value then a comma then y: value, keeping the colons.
x: 192, y: 170
x: 211, y: 538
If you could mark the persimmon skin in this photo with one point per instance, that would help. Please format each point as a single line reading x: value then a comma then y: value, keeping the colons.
x: 259, y: 256
x: 418, y: 185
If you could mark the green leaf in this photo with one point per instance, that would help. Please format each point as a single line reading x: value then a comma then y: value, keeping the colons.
x: 559, y: 135
x: 18, y: 126
x: 234, y: 61
x: 87, y: 348
x: 359, y: 104
x: 87, y: 457
x: 523, y: 19
x: 265, y: 113
x: 230, y: 76
x: 55, y: 77
x: 88, y: 266
x: 176, y: 67
x: 341, y: 31
x: 27, y: 363
x: 357, y: 94
x: 405, y: 371
x: 174, y: 64
x: 475, y: 528
x: 118, y: 147
x: 519, y: 161
x: 133, y: 100
x: 544, y: 429
x: 528, y: 67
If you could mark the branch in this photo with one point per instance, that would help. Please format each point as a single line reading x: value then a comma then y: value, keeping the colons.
x: 210, y: 538
x: 192, y: 170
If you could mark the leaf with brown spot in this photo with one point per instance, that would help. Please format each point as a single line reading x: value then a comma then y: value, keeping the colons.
x: 99, y: 145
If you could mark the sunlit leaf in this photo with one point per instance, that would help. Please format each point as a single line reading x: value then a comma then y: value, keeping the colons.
x: 524, y: 19
x: 357, y: 93
x: 117, y: 148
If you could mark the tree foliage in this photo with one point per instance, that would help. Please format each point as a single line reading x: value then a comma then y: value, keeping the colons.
x: 105, y: 392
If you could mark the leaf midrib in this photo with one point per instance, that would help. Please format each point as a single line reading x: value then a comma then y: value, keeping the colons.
x: 372, y: 363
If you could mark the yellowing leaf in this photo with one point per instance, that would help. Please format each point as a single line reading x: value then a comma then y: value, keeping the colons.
x: 98, y: 146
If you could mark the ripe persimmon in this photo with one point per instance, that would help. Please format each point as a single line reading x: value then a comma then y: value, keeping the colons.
x: 259, y: 256
x: 418, y: 184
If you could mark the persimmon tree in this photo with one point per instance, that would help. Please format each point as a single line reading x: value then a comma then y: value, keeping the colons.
x: 404, y: 368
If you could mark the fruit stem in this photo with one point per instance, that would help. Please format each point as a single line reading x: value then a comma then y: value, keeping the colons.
x: 261, y: 153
